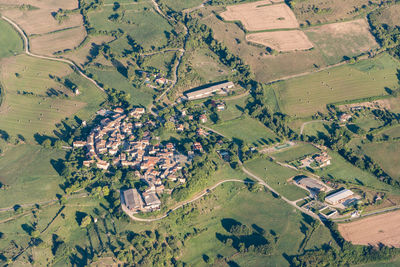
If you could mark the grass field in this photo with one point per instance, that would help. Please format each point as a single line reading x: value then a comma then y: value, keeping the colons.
x: 180, y: 5
x: 10, y: 41
x: 341, y: 169
x: 337, y: 40
x: 390, y: 15
x: 386, y: 155
x: 28, y: 171
x: 259, y: 209
x: 367, y: 122
x: 208, y: 66
x: 277, y: 177
x: 295, y: 152
x: 304, y: 96
x: 316, y: 129
x: 140, y: 21
x: 321, y: 11
x: 247, y: 130
x: 392, y: 132
x: 35, y: 112
x: 113, y: 79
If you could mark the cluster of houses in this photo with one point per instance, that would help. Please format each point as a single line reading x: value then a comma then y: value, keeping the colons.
x: 153, y: 164
x: 320, y: 160
x: 153, y: 80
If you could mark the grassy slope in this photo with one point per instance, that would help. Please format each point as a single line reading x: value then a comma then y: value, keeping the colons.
x: 295, y: 152
x: 276, y: 176
x: 29, y: 114
x: 341, y: 169
x: 246, y: 129
x: 306, y: 95
x: 10, y: 41
x: 386, y: 155
x: 27, y: 169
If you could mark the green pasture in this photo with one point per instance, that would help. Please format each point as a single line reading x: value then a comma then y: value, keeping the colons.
x: 343, y: 170
x: 180, y: 5
x: 28, y: 171
x: 26, y: 107
x: 277, y: 177
x: 113, y: 79
x: 140, y: 21
x: 233, y: 109
x: 161, y: 61
x: 246, y: 129
x: 296, y: 152
x: 317, y: 129
x: 387, y: 155
x: 207, y: 66
x: 10, y: 42
x: 306, y: 95
x: 392, y: 132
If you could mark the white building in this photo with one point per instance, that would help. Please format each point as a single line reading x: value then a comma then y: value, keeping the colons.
x: 339, y: 197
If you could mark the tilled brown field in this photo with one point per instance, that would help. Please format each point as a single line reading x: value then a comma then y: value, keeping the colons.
x: 384, y: 228
x: 283, y: 41
x: 261, y: 15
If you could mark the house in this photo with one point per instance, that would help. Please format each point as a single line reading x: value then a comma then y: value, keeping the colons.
x: 161, y: 81
x: 323, y: 159
x: 310, y: 184
x: 180, y: 128
x: 220, y: 106
x: 339, y: 197
x: 344, y: 117
x: 132, y: 200
x: 151, y: 200
x: 118, y: 110
x: 101, y: 164
x: 79, y: 144
x: 137, y: 112
x: 221, y: 88
x: 87, y: 163
x: 201, y: 132
x: 197, y: 147
x: 203, y: 118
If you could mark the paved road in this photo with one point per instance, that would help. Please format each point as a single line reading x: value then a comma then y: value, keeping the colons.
x: 180, y: 205
x: 27, y: 51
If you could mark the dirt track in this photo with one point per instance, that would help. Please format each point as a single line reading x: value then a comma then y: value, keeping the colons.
x: 384, y: 228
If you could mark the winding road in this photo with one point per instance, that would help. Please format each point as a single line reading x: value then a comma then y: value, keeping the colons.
x: 29, y: 53
x: 180, y: 205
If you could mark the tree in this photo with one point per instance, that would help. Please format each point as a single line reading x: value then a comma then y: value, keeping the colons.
x: 46, y: 143
x: 86, y: 221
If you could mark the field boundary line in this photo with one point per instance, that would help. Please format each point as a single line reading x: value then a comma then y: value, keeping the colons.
x: 27, y: 51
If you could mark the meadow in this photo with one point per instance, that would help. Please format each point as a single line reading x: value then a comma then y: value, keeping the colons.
x: 247, y: 130
x: 304, y: 96
x: 28, y: 109
x: 113, y: 79
x: 317, y: 129
x: 181, y: 5
x: 343, y: 170
x: 296, y: 152
x: 139, y: 20
x: 233, y: 109
x: 277, y: 177
x: 386, y: 155
x: 28, y: 168
x: 10, y: 42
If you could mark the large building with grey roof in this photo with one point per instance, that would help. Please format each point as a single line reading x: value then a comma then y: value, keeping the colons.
x: 222, y: 88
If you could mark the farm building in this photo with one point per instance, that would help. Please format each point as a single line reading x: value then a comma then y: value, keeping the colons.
x: 339, y: 197
x: 221, y: 88
x: 310, y: 184
x: 132, y: 200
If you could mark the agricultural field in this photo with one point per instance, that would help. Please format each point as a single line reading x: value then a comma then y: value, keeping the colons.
x: 247, y: 130
x: 207, y: 66
x: 389, y: 15
x: 10, y: 42
x: 337, y: 40
x: 296, y: 152
x: 386, y: 155
x: 161, y: 61
x: 233, y: 109
x: 140, y: 21
x: 112, y: 78
x: 340, y: 169
x: 277, y: 177
x: 392, y: 132
x: 80, y: 55
x: 34, y: 103
x: 317, y: 129
x: 29, y: 168
x: 366, y: 122
x: 282, y: 41
x: 304, y: 96
x: 39, y: 19
x: 374, y: 230
x: 312, y: 12
x: 48, y: 44
x: 181, y: 5
x: 261, y: 15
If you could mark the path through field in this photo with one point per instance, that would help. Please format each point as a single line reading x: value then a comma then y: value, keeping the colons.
x: 309, y: 122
